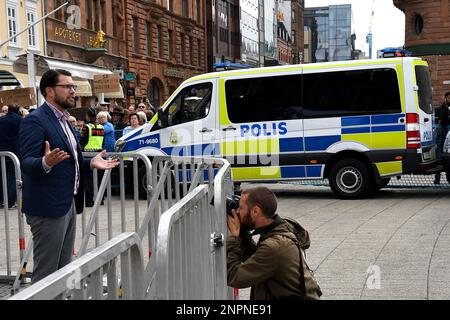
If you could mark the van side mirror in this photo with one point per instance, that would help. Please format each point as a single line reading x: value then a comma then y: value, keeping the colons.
x: 163, y: 120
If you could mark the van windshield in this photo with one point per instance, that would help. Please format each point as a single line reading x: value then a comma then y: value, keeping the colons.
x: 425, y: 91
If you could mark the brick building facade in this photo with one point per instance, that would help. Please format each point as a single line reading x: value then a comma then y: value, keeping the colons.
x: 427, y: 35
x: 166, y: 45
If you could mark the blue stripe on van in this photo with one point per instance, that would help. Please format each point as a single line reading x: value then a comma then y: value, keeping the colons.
x: 150, y: 141
x: 355, y: 130
x: 314, y: 171
x: 293, y: 172
x: 208, y: 149
x: 355, y: 121
x: 426, y: 143
x: 291, y: 144
x: 320, y: 143
x: 385, y: 119
x: 389, y: 128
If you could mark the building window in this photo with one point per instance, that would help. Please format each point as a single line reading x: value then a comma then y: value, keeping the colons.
x: 185, y: 8
x: 293, y: 15
x: 12, y: 24
x: 183, y: 49
x: 160, y: 42
x: 31, y: 18
x: 199, y: 16
x: 170, y: 5
x: 199, y: 52
x: 293, y: 36
x: 191, y: 51
x: 153, y: 94
x: 170, y: 45
x: 418, y: 24
x: 134, y: 35
x: 103, y: 14
x: 148, y: 32
x: 89, y: 15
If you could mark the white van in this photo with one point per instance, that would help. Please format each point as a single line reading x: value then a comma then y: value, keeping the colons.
x: 357, y: 123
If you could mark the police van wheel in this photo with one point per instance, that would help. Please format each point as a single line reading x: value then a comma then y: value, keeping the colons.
x: 350, y: 179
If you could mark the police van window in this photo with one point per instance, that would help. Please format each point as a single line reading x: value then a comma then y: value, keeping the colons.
x: 264, y: 99
x: 425, y: 91
x: 347, y: 93
x: 192, y: 103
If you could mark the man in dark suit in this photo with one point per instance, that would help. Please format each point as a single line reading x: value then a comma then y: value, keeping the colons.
x: 53, y: 169
x: 9, y: 141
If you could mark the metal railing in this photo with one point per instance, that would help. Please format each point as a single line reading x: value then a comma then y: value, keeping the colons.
x: 83, y: 278
x: 184, y: 268
x: 10, y: 165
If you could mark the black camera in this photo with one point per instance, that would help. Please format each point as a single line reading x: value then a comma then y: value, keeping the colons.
x: 232, y: 203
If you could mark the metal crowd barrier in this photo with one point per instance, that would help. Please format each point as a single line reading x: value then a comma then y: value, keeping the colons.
x: 173, y: 180
x: 8, y: 160
x: 83, y: 278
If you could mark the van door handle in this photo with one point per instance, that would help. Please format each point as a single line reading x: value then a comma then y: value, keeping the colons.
x: 427, y: 119
x: 229, y: 128
x: 204, y: 130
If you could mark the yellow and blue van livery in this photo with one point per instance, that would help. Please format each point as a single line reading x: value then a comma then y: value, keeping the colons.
x: 356, y: 123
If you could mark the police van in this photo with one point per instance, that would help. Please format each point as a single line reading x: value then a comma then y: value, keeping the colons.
x: 356, y: 123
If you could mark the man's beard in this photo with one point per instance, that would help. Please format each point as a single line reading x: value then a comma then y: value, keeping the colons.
x: 65, y: 104
x: 247, y: 223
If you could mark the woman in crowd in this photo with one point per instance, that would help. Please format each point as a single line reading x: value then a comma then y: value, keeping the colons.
x: 109, y: 141
x: 134, y: 123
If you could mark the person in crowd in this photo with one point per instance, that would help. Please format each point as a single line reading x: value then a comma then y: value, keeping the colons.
x: 73, y: 123
x: 134, y: 124
x: 142, y: 118
x: 4, y: 111
x: 9, y: 141
x: 273, y: 267
x: 92, y: 138
x: 118, y: 118
x: 110, y: 141
x: 132, y: 108
x: 442, y: 127
x: 53, y: 174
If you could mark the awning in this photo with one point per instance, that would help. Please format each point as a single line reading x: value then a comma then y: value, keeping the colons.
x: 76, y: 69
x: 79, y: 71
x: 115, y: 95
x: 8, y: 79
x: 83, y: 88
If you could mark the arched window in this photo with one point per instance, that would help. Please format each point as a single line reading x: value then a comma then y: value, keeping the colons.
x: 153, y: 93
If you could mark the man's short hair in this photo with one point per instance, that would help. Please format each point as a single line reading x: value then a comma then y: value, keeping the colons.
x: 447, y: 94
x: 51, y: 78
x: 263, y: 198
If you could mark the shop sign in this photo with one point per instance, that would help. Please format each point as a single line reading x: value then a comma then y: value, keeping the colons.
x: 130, y: 76
x: 106, y: 83
x: 24, y: 97
x: 173, y: 73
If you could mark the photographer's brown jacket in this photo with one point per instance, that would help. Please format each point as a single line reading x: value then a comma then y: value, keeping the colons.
x: 271, y: 268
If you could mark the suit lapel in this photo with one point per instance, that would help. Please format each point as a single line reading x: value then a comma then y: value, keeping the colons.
x: 54, y: 121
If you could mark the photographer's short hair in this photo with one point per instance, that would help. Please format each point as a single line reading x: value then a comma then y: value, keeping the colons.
x: 51, y: 78
x: 263, y: 198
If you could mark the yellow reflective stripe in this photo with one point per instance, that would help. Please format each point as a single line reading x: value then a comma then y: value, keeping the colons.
x: 388, y: 140
x: 420, y: 63
x: 255, y: 173
x: 223, y: 112
x: 247, y: 147
x: 401, y: 83
x: 363, y: 138
x: 388, y: 168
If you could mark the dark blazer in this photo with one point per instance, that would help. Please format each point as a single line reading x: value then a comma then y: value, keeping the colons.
x: 48, y: 194
x: 9, y: 133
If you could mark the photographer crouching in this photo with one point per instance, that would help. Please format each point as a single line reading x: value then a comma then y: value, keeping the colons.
x: 275, y: 267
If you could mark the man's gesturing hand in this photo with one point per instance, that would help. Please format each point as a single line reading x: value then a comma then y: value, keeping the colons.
x: 99, y: 163
x: 54, y: 157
